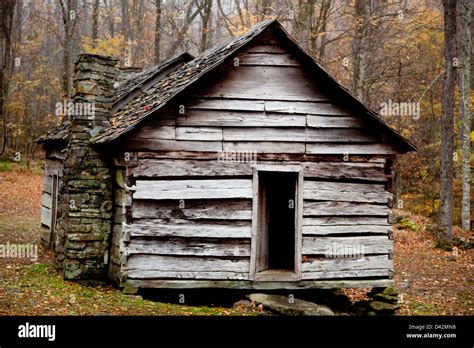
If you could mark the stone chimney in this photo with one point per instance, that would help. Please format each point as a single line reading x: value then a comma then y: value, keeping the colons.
x: 85, y: 208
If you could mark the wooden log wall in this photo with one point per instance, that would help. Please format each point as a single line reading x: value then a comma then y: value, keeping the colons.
x: 53, y: 166
x: 190, y: 216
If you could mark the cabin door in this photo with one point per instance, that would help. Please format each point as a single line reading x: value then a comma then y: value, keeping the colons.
x: 54, y: 208
x: 276, y: 251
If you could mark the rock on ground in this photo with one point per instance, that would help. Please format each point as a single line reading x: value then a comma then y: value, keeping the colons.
x: 286, y: 306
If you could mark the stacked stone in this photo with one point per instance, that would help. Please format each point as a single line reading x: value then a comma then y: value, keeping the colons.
x: 85, y: 200
x: 383, y: 301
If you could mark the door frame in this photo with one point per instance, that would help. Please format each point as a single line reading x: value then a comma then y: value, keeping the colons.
x: 292, y: 168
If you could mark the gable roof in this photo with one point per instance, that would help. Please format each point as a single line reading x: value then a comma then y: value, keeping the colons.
x: 165, y: 89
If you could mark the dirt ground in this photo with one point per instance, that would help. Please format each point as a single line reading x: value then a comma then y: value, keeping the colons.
x: 431, y: 281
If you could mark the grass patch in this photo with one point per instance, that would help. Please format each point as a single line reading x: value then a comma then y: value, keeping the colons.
x: 408, y: 224
x: 5, y: 166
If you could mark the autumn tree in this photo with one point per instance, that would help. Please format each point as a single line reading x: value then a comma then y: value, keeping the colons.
x: 446, y: 198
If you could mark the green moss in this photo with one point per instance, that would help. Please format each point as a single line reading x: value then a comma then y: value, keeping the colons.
x: 5, y: 166
x: 408, y: 224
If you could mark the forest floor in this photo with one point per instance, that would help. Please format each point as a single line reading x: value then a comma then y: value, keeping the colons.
x: 431, y: 281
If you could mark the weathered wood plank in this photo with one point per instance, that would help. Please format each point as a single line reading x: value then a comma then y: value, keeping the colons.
x: 186, y: 264
x: 304, y: 108
x: 263, y: 83
x: 255, y: 285
x: 343, y: 264
x: 264, y: 147
x: 151, y: 168
x: 46, y: 200
x: 347, y: 192
x: 163, y: 228
x: 154, y: 274
x: 155, y: 132
x: 355, y: 245
x: 46, y: 216
x: 206, y: 209
x: 266, y: 49
x: 347, y: 274
x: 343, y: 208
x: 226, y: 118
x: 47, y: 184
x: 267, y: 59
x: 193, y: 189
x: 316, y: 121
x: 53, y: 166
x: 353, y: 149
x: 199, y: 133
x: 226, y: 104
x: 345, y: 229
x: 345, y: 170
x: 190, y: 247
x: 173, y: 145
x: 56, y: 153
x: 296, y: 135
x: 345, y: 221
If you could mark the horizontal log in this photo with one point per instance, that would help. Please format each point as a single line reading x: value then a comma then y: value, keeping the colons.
x: 267, y: 59
x: 255, y: 285
x: 296, y: 135
x: 56, y: 154
x: 173, y: 145
x: 202, y: 209
x: 352, y: 149
x: 151, y: 168
x: 164, y: 228
x: 343, y: 208
x: 190, y: 247
x: 225, y: 118
x: 186, y: 264
x: 345, y: 229
x: 316, y: 121
x: 155, y: 132
x: 304, y: 108
x: 342, y: 264
x: 193, y: 189
x: 365, y: 273
x: 154, y: 274
x: 199, y: 133
x: 264, y: 147
x: 346, y: 192
x: 226, y: 104
x: 266, y: 49
x: 360, y: 245
x: 345, y: 170
x: 346, y: 221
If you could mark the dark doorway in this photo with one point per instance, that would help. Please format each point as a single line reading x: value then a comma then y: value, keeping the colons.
x: 276, y: 221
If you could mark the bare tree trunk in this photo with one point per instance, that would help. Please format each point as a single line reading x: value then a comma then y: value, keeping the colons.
x: 7, y: 8
x: 69, y: 14
x: 110, y: 18
x: 95, y: 23
x: 206, y: 19
x: 157, y: 31
x: 362, y: 11
x: 126, y: 32
x: 464, y: 13
x: 445, y: 218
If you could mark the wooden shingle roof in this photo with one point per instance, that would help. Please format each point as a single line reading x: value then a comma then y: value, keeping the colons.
x: 163, y: 90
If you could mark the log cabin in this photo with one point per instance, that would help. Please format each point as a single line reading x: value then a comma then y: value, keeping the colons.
x: 246, y: 167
